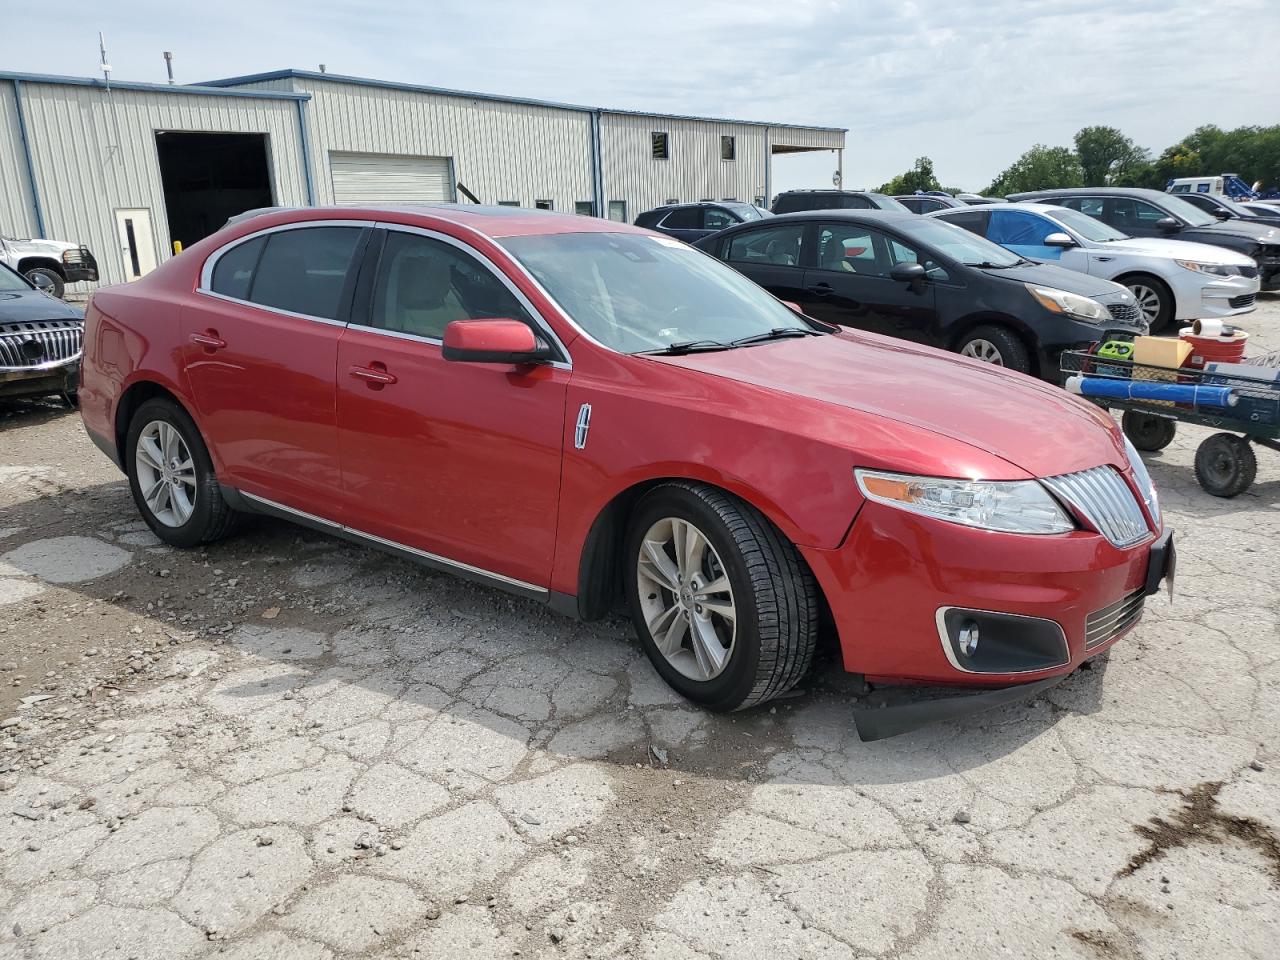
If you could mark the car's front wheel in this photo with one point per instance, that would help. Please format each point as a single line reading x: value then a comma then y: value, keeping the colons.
x: 996, y: 345
x: 172, y: 479
x: 1155, y: 300
x: 48, y: 280
x: 723, y: 604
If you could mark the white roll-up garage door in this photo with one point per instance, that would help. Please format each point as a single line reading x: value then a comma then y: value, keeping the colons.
x: 384, y: 178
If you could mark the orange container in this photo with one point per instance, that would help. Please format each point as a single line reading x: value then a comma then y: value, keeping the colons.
x: 1213, y: 349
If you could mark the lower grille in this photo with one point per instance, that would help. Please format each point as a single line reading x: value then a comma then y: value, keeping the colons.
x: 1109, y: 622
x: 31, y: 344
x: 1249, y: 272
x: 1125, y: 312
x: 1245, y: 300
x: 1102, y: 497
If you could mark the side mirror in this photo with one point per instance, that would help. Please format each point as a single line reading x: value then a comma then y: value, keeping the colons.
x: 1168, y: 225
x: 493, y: 341
x: 1222, y: 214
x: 910, y: 273
x: 1059, y: 240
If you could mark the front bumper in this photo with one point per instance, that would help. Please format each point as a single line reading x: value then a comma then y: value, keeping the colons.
x: 47, y: 378
x: 1198, y: 299
x: 896, y: 571
x: 79, y: 265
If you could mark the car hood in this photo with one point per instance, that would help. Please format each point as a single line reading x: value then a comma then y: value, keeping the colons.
x: 1032, y: 425
x: 1047, y: 275
x: 24, y: 306
x: 1238, y: 228
x: 1176, y: 249
x: 53, y: 247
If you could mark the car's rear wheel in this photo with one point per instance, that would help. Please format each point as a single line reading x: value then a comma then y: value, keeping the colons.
x: 172, y: 479
x: 723, y: 604
x: 1155, y: 300
x: 996, y: 345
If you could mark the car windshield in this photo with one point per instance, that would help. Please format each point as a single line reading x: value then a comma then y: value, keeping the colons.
x: 957, y: 243
x: 10, y: 282
x: 635, y: 293
x: 1088, y: 227
x: 748, y: 211
x: 1186, y: 211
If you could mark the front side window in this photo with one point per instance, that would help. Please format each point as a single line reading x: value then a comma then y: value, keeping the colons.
x: 779, y: 246
x: 715, y: 219
x: 233, y: 272
x: 303, y: 270
x: 638, y: 292
x: 422, y: 285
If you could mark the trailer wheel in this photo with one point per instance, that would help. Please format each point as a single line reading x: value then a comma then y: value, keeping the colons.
x: 1147, y: 431
x: 1225, y: 465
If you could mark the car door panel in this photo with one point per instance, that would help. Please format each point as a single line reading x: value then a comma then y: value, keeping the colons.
x: 461, y: 460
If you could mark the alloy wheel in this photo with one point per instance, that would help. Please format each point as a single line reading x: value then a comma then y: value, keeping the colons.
x: 166, y: 473
x: 686, y: 599
x: 983, y: 350
x: 1148, y: 301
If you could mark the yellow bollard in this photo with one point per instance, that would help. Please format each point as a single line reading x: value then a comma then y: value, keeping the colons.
x: 177, y: 247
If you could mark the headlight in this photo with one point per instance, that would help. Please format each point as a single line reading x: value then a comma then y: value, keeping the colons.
x: 1009, y: 506
x: 1072, y: 304
x: 1217, y: 269
x: 1145, y: 485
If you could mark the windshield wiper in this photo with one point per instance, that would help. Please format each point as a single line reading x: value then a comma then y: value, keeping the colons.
x: 988, y: 265
x: 777, y: 333
x: 687, y: 346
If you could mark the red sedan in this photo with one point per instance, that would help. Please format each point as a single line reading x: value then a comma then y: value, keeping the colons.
x: 591, y: 414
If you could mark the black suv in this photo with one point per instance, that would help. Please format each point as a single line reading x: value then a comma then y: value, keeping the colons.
x: 1150, y: 213
x: 693, y: 221
x: 921, y: 279
x: 1226, y: 209
x: 795, y: 201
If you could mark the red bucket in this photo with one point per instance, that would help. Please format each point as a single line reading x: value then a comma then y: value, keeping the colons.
x: 1214, y: 349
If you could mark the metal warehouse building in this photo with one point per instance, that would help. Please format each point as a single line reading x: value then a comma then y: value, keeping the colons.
x: 129, y: 168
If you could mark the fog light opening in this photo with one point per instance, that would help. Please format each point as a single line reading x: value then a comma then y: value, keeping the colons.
x: 968, y: 638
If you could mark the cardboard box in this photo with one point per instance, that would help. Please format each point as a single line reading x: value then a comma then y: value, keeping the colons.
x: 1161, y: 351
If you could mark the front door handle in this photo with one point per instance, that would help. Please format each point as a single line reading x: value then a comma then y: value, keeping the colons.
x: 209, y: 340
x: 375, y: 374
x: 822, y: 289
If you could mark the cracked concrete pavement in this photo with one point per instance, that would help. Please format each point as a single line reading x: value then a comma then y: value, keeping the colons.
x: 286, y: 746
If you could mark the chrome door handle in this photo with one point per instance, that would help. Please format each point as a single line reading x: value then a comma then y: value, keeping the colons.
x: 374, y: 375
x: 210, y: 340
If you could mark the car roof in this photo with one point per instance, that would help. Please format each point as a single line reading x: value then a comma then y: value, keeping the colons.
x: 830, y: 190
x: 1092, y: 192
x: 490, y: 221
x: 871, y: 216
x: 1046, y: 208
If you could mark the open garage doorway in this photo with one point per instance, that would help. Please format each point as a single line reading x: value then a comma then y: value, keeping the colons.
x: 209, y: 177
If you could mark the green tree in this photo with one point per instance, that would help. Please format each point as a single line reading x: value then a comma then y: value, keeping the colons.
x: 1107, y: 156
x: 919, y: 177
x: 1040, y: 168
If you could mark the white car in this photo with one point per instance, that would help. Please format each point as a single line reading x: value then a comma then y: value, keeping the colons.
x: 1173, y: 280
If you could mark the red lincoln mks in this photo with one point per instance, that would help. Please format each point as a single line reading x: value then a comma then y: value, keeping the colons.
x: 592, y: 415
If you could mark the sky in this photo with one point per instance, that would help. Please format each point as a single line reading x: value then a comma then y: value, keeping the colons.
x: 970, y: 83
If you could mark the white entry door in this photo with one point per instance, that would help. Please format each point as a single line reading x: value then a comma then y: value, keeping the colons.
x: 137, y: 243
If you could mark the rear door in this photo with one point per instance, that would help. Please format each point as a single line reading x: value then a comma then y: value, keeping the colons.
x: 683, y: 223
x: 1135, y: 217
x: 769, y: 255
x: 261, y: 340
x: 457, y: 460
x: 848, y: 282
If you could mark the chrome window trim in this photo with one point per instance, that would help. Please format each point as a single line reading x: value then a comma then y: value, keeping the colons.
x: 373, y: 538
x: 939, y: 618
x: 205, y: 286
x: 540, y: 322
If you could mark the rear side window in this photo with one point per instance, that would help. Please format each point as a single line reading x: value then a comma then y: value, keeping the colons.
x: 1087, y: 205
x: 684, y: 218
x: 774, y: 245
x: 1017, y: 228
x: 974, y: 220
x: 790, y: 203
x: 233, y: 273
x: 304, y: 270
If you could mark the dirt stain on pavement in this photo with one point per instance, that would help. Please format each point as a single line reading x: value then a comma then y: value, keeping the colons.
x: 1200, y: 820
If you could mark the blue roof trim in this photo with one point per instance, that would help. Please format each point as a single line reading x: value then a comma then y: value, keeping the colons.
x: 189, y: 89
x: 498, y: 98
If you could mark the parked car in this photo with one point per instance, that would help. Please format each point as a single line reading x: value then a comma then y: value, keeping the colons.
x: 922, y: 279
x: 493, y: 393
x: 693, y: 221
x: 40, y: 340
x: 1263, y: 208
x: 1150, y: 213
x: 795, y: 201
x: 977, y: 200
x: 929, y: 202
x: 52, y: 263
x: 1224, y: 208
x: 1172, y: 280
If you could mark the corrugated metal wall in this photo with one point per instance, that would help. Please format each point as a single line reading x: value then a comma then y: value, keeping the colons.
x: 501, y: 151
x: 95, y: 152
x: 17, y: 214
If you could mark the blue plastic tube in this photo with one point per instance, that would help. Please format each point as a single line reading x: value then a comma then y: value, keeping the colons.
x: 1152, y: 390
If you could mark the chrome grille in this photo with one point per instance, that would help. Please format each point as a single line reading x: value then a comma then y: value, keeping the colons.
x: 1125, y: 312
x: 39, y: 342
x: 1103, y: 498
x: 1109, y: 622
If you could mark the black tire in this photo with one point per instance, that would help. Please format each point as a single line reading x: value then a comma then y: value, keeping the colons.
x: 1143, y: 286
x: 774, y: 593
x: 212, y: 517
x: 1225, y: 465
x: 1147, y: 431
x: 1008, y: 346
x: 59, y: 285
